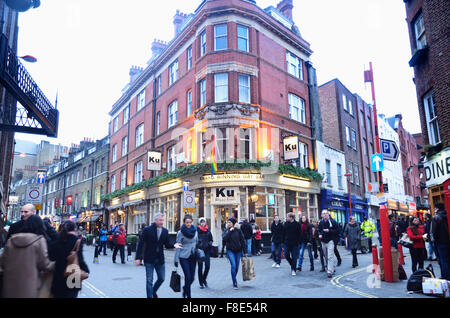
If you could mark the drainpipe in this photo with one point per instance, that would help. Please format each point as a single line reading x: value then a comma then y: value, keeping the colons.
x: 314, y: 107
x: 154, y: 117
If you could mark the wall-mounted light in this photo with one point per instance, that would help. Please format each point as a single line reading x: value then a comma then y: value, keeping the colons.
x: 254, y: 197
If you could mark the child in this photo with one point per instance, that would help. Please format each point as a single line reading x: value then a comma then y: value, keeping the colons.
x: 258, y: 240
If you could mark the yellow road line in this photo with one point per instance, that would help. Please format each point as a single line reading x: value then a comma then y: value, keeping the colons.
x: 95, y: 290
x: 336, y: 282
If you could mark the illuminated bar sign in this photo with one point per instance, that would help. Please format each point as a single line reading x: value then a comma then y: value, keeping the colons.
x: 233, y: 177
x: 437, y: 169
x: 154, y: 161
x: 290, y: 148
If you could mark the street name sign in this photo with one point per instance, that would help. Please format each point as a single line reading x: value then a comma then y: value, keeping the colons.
x: 377, y: 162
x: 389, y: 149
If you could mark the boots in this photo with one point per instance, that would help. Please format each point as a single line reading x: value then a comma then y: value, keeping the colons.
x: 312, y: 268
x: 323, y: 269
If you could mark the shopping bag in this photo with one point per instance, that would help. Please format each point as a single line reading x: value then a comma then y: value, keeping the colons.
x: 175, y: 282
x: 405, y: 241
x: 46, y: 285
x: 248, y: 270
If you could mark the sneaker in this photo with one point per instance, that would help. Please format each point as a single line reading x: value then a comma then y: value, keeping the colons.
x: 235, y: 287
x: 330, y: 275
x: 274, y: 265
x: 155, y: 295
x: 277, y: 266
x: 206, y: 284
x: 311, y: 269
x: 293, y: 273
x: 299, y: 269
x: 202, y: 287
x: 322, y: 270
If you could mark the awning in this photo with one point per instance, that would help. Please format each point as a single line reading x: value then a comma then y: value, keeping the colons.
x: 136, y: 202
x: 94, y: 217
x: 82, y: 220
x: 114, y: 207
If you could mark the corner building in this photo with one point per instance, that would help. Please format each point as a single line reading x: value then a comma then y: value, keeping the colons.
x: 236, y: 78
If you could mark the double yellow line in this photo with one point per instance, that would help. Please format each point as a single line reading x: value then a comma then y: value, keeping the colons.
x: 95, y: 290
x: 336, y: 282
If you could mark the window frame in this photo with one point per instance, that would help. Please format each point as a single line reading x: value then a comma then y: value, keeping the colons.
x: 173, y: 72
x: 223, y: 86
x: 348, y: 136
x: 138, y: 144
x: 123, y: 179
x: 158, y: 123
x: 247, y: 42
x: 301, y: 108
x: 248, y: 88
x: 202, y: 92
x: 172, y: 118
x: 189, y: 57
x: 216, y: 37
x: 140, y: 100
x: 116, y: 124
x: 223, y: 139
x: 124, y: 149
x: 203, y: 43
x: 171, y: 159
x: 344, y: 102
x: 356, y: 173
x: 294, y: 63
x: 113, y: 184
x: 434, y: 136
x: 354, y: 143
x: 114, y: 155
x: 339, y: 176
x: 420, y: 37
x: 138, y: 173
x: 189, y: 103
x: 328, y: 171
x: 243, y: 141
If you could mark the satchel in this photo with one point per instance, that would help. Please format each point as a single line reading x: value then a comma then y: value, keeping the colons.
x: 248, y: 270
x: 73, y: 263
x: 175, y: 281
x: 200, y: 255
x: 405, y: 241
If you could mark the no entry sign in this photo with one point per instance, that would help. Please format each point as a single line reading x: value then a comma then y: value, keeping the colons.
x: 34, y: 193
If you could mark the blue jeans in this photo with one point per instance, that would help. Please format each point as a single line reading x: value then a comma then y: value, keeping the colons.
x: 430, y: 249
x: 160, y: 272
x: 202, y: 275
x: 276, y: 253
x: 249, y: 246
x: 302, y: 252
x: 188, y: 266
x: 444, y: 258
x: 234, y: 258
x: 291, y: 255
x: 102, y: 247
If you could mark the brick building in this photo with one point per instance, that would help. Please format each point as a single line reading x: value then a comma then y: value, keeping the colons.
x: 429, y: 37
x: 348, y: 126
x: 236, y: 77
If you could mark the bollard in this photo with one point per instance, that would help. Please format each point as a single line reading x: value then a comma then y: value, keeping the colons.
x: 401, y: 260
x: 376, y: 263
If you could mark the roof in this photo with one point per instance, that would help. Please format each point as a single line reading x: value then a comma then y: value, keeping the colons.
x: 393, y: 122
x: 25, y: 146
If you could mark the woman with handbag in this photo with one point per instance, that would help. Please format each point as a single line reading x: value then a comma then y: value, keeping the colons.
x: 68, y: 250
x: 416, y: 233
x: 205, y: 240
x: 23, y: 259
x: 186, y: 256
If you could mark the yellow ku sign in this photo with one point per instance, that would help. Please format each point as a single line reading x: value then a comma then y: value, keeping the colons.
x: 187, y: 210
x: 38, y: 207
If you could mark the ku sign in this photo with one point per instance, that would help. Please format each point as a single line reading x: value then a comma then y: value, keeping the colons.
x: 225, y: 195
x: 437, y: 169
x: 154, y: 161
x: 291, y: 148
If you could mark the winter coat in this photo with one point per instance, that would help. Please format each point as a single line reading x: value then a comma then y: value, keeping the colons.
x: 353, y: 234
x: 258, y: 235
x: 291, y: 233
x: 234, y: 240
x: 333, y: 228
x: 277, y: 232
x: 188, y: 246
x: 205, y: 240
x: 150, y: 248
x: 439, y: 228
x: 121, y: 237
x: 306, y: 237
x: 393, y: 229
x: 25, y: 256
x: 15, y: 228
x: 368, y: 228
x: 103, y: 235
x: 247, y: 230
x: 418, y: 241
x: 58, y: 252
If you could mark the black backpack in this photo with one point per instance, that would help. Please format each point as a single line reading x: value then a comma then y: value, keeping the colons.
x: 415, y: 281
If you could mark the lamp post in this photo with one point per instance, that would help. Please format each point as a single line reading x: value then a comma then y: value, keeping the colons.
x: 348, y: 175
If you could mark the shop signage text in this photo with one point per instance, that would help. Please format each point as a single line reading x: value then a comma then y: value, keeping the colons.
x: 233, y: 177
x: 290, y: 148
x: 154, y: 161
x: 337, y: 203
x: 437, y: 169
x: 225, y: 195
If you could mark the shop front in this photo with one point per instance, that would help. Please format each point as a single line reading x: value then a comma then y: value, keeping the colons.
x: 339, y: 209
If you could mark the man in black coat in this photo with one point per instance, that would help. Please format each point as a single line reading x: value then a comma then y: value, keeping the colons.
x: 291, y: 239
x: 277, y: 239
x: 328, y: 231
x: 27, y: 211
x: 441, y: 237
x: 151, y: 250
x: 247, y: 230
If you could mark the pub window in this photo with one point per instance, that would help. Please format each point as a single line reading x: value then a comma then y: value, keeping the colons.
x: 245, y: 143
x: 221, y: 144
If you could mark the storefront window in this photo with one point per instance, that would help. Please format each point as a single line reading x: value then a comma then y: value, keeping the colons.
x: 267, y: 206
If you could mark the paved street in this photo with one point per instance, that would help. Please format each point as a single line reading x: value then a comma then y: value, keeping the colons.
x: 128, y: 281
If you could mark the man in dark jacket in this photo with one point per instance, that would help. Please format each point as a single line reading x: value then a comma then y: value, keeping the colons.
x: 393, y: 231
x: 277, y: 239
x: 27, y: 211
x: 151, y: 250
x: 235, y: 243
x: 441, y: 236
x: 291, y: 239
x: 429, y: 243
x: 247, y: 230
x: 328, y: 230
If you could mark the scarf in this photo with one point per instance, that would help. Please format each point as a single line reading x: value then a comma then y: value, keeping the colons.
x: 189, y: 233
x: 203, y: 228
x: 304, y: 227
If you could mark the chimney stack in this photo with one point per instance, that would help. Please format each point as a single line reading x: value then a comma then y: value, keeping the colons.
x: 135, y: 71
x: 157, y: 47
x: 178, y: 20
x: 285, y: 6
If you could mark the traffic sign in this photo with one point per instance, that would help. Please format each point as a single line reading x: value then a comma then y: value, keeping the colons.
x: 389, y: 149
x: 185, y: 186
x: 34, y: 194
x: 377, y: 162
x: 373, y: 187
x: 189, y: 200
x: 38, y: 207
x: 40, y: 178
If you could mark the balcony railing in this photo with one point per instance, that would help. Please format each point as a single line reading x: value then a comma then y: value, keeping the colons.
x: 35, y: 114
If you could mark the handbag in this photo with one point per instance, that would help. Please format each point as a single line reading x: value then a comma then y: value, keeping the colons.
x: 175, y: 281
x: 46, y: 285
x: 200, y: 255
x: 405, y: 241
x: 73, y: 263
x: 248, y: 270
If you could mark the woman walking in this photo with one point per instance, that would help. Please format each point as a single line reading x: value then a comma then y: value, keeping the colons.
x: 67, y: 241
x: 236, y: 246
x: 305, y: 242
x: 188, y: 238
x: 415, y: 233
x: 317, y: 244
x: 205, y: 241
x: 353, y: 233
x: 25, y: 256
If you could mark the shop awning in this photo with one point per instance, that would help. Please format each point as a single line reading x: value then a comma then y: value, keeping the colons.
x: 94, y: 217
x: 136, y: 202
x: 82, y: 220
x: 115, y: 207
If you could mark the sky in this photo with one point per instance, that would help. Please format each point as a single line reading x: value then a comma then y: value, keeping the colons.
x: 85, y: 49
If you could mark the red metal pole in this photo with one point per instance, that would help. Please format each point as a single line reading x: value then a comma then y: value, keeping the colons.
x: 349, y: 197
x: 375, y: 261
x: 384, y: 221
x: 447, y: 201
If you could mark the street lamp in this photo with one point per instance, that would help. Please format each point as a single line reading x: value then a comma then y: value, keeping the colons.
x: 23, y: 5
x: 28, y: 58
x: 348, y: 175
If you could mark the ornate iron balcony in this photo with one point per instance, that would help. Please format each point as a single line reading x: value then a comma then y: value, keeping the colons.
x: 35, y: 114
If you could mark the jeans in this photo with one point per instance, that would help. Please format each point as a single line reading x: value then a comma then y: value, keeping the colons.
x: 249, y: 246
x: 444, y: 258
x: 328, y: 251
x: 202, y: 275
x: 188, y: 266
x: 430, y: 249
x: 291, y: 255
x: 336, y: 253
x: 276, y: 253
x: 302, y: 252
x: 120, y: 248
x: 160, y: 272
x: 234, y: 258
x: 355, y: 259
x: 258, y: 246
x: 417, y: 258
x: 394, y: 242
x: 102, y: 247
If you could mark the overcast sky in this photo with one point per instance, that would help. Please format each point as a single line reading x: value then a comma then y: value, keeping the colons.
x: 85, y: 49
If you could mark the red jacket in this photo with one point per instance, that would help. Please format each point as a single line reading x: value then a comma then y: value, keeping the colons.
x: 258, y: 235
x: 121, y: 237
x: 418, y: 241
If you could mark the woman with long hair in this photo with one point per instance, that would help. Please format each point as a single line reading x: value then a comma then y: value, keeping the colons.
x: 63, y: 287
x: 416, y: 232
x: 306, y: 239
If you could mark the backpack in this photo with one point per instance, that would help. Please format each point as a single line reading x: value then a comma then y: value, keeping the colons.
x: 415, y: 281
